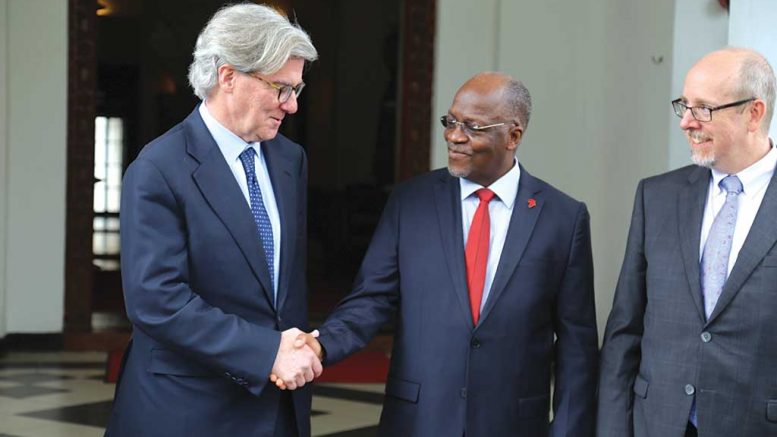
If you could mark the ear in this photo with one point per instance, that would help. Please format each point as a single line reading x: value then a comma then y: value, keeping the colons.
x: 515, y: 137
x: 757, y: 112
x: 227, y: 75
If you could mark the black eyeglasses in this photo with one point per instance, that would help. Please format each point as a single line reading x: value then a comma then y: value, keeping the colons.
x: 703, y: 113
x: 284, y: 91
x: 469, y: 128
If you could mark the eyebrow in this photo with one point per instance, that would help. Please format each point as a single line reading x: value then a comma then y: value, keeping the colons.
x: 701, y: 102
x: 468, y: 119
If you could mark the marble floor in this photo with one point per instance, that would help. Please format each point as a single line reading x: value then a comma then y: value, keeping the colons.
x: 62, y: 394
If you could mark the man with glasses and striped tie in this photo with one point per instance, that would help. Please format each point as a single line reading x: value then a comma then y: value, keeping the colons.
x: 690, y: 347
x: 213, y: 235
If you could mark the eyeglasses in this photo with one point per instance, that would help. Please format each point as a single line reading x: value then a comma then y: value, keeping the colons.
x: 703, y: 113
x: 284, y: 91
x: 469, y: 128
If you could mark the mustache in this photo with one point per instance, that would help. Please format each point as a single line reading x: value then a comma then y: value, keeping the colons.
x: 460, y: 149
x: 696, y: 136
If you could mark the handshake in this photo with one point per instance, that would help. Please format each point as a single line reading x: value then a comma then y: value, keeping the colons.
x: 298, y: 360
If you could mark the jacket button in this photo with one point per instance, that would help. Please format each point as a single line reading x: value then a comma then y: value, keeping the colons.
x: 689, y: 389
x: 706, y: 337
x: 475, y: 343
x: 463, y: 393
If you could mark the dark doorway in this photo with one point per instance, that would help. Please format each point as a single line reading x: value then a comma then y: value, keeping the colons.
x: 370, y: 61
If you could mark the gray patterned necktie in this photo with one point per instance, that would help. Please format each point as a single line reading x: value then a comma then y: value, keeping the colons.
x: 714, y: 260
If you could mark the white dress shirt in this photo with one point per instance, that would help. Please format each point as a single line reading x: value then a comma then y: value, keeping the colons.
x: 754, y: 180
x: 231, y: 147
x: 500, y: 209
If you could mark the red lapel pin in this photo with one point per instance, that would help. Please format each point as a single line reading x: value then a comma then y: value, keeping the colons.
x: 532, y: 203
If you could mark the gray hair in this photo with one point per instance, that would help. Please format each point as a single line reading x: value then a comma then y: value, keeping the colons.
x: 756, y: 79
x: 517, y: 101
x: 248, y: 37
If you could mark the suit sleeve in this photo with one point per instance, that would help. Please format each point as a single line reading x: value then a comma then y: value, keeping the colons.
x: 621, y: 348
x: 159, y: 299
x: 375, y: 295
x: 576, y: 348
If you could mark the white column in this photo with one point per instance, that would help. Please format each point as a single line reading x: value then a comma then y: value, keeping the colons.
x: 752, y: 25
x: 36, y: 104
x: 3, y: 162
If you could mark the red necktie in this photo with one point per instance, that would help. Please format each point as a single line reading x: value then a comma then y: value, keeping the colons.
x: 476, y: 252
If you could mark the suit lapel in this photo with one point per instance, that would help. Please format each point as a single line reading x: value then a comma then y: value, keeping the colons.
x: 220, y: 189
x: 519, y: 232
x: 282, y: 185
x: 690, y: 210
x: 447, y: 196
x: 761, y: 238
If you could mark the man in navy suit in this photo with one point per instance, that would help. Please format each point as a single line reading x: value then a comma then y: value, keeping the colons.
x: 488, y: 272
x: 213, y: 238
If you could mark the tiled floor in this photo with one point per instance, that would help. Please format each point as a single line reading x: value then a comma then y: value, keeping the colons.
x: 63, y: 394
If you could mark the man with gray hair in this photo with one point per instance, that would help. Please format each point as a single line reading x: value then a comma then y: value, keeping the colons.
x: 213, y: 236
x: 690, y: 346
x: 489, y: 272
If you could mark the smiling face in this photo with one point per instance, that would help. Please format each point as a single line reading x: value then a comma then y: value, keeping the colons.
x: 485, y: 156
x: 734, y: 138
x: 714, y: 143
x: 249, y: 107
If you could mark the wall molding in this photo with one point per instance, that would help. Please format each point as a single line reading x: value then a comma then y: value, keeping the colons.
x: 81, y: 109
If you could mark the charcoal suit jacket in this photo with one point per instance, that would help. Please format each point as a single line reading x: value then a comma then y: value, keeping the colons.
x: 660, y: 352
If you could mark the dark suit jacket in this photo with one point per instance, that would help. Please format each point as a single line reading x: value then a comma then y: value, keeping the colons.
x: 198, y: 291
x: 659, y: 352
x: 448, y: 377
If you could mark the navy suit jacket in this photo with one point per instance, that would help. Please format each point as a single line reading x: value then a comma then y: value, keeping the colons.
x: 448, y: 377
x: 198, y: 291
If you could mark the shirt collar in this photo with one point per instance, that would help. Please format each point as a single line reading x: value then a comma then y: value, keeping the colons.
x: 505, y: 188
x: 230, y: 144
x: 754, y: 177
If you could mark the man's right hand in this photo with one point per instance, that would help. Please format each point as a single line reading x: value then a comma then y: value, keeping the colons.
x: 295, y: 365
x: 311, y: 340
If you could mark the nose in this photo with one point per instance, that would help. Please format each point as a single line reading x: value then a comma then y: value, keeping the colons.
x: 290, y: 106
x: 455, y: 135
x: 687, y: 121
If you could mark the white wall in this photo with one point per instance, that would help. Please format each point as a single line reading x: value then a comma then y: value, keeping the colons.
x: 36, y: 105
x: 601, y: 78
x: 752, y: 25
x: 3, y: 168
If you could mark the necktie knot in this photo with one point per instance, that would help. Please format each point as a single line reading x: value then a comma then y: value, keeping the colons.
x: 485, y: 195
x: 247, y: 159
x: 731, y: 184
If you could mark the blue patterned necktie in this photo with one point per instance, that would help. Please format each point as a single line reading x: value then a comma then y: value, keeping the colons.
x: 261, y: 218
x: 714, y: 259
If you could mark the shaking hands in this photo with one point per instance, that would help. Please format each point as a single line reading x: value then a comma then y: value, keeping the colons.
x: 298, y: 360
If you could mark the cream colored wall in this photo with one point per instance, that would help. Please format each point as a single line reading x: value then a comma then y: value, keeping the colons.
x: 36, y: 106
x: 600, y: 74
